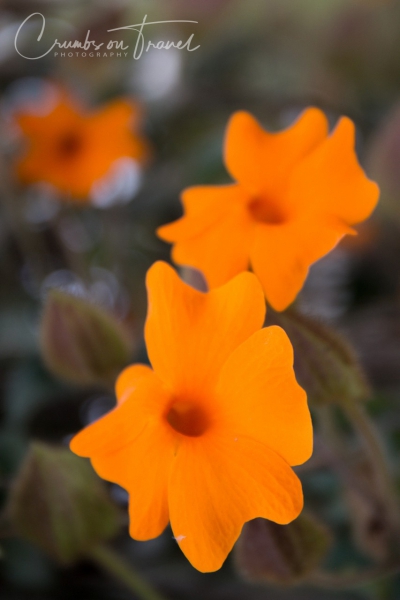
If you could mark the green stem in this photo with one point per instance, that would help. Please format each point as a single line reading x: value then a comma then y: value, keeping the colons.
x: 109, y: 560
x: 362, y: 423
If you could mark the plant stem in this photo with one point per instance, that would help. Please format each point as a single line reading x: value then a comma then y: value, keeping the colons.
x: 362, y: 423
x: 109, y: 560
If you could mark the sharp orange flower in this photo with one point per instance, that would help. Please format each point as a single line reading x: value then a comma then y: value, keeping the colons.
x: 297, y: 193
x: 72, y: 149
x: 205, y: 438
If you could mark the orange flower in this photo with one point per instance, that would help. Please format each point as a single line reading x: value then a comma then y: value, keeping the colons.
x: 296, y: 194
x: 206, y: 437
x: 72, y: 149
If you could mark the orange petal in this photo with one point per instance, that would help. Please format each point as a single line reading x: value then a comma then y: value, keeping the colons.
x: 128, y: 381
x: 141, y: 397
x: 189, y: 334
x: 118, y: 123
x: 42, y: 127
x: 75, y: 175
x: 260, y: 160
x: 133, y: 446
x: 152, y: 458
x: 32, y: 167
x: 216, y: 233
x: 204, y: 205
x: 40, y: 162
x: 275, y: 411
x: 142, y: 467
x: 331, y: 181
x: 222, y: 251
x: 29, y: 124
x: 281, y: 255
x: 122, y: 112
x: 219, y: 483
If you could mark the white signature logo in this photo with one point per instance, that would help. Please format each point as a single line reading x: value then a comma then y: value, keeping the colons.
x: 93, y: 47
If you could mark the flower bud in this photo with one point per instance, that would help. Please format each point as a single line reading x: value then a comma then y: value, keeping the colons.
x: 58, y: 503
x: 80, y: 342
x: 325, y: 364
x: 283, y: 554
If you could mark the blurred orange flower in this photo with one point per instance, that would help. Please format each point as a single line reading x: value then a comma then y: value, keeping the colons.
x: 206, y: 437
x: 72, y: 149
x: 297, y: 193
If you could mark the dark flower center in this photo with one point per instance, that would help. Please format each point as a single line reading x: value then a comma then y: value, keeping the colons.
x: 264, y: 210
x: 187, y: 418
x: 69, y: 145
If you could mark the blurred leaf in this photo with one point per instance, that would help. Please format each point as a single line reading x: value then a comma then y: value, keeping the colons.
x: 58, y: 503
x: 80, y: 342
x: 325, y: 364
x: 281, y: 554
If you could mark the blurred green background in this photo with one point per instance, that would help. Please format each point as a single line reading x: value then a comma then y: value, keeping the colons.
x: 272, y: 58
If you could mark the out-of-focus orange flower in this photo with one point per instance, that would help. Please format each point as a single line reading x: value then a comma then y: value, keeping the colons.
x: 72, y: 149
x: 297, y: 193
x: 206, y: 437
